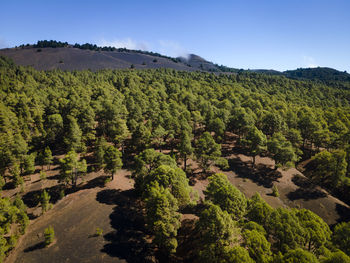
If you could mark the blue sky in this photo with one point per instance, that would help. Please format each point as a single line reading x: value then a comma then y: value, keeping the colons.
x: 275, y: 34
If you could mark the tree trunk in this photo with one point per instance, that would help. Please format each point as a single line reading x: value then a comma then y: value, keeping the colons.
x: 185, y: 162
x: 254, y: 161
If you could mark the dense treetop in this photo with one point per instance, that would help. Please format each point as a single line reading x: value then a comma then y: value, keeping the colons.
x: 134, y: 115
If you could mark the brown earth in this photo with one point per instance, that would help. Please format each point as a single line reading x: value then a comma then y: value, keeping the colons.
x: 74, y: 219
x: 69, y: 58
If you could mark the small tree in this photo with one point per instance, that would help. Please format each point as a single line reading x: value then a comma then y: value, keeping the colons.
x: 185, y: 148
x: 207, y: 150
x: 282, y: 151
x: 29, y: 163
x: 72, y: 168
x: 47, y: 157
x: 45, y: 201
x: 113, y: 160
x: 100, y: 149
x: 49, y: 235
x: 256, y: 142
x: 275, y: 192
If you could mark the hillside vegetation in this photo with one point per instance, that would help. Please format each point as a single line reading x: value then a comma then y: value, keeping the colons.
x: 153, y: 122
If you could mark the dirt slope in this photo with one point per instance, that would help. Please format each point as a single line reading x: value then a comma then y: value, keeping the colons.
x: 69, y: 58
x: 75, y: 219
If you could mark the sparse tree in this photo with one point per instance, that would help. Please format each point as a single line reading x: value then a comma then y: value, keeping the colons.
x: 113, y: 161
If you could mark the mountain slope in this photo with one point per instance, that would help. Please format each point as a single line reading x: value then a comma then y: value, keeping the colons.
x: 49, y: 55
x: 319, y: 73
x: 70, y: 58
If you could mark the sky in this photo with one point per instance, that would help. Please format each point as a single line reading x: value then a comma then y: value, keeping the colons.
x: 250, y: 34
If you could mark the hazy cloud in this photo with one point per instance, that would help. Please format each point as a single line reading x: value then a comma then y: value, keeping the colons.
x: 124, y: 43
x: 309, y: 62
x: 3, y: 43
x: 172, y: 49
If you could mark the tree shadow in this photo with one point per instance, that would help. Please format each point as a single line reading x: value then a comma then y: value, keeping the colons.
x: 260, y: 174
x: 37, y: 246
x: 9, y: 186
x: 343, y: 212
x: 306, y: 194
x: 302, y: 181
x: 32, y: 199
x: 306, y: 191
x: 129, y: 239
x: 189, y: 241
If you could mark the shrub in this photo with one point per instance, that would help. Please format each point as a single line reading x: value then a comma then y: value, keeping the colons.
x: 275, y: 192
x: 49, y: 235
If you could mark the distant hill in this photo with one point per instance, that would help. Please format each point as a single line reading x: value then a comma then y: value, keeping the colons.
x: 322, y: 74
x: 48, y: 55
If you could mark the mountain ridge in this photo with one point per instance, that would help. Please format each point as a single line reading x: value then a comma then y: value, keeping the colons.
x: 49, y: 55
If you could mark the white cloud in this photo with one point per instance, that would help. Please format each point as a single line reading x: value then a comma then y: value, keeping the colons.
x: 172, y: 49
x: 309, y: 62
x: 124, y: 43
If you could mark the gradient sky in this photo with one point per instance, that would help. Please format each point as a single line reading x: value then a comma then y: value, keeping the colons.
x: 275, y: 34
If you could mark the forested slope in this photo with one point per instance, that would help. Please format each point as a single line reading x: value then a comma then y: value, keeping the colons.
x: 121, y: 115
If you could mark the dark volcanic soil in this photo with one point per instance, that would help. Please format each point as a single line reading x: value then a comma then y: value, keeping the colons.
x: 74, y: 219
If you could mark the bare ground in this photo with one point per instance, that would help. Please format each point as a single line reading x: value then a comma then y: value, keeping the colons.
x: 74, y: 219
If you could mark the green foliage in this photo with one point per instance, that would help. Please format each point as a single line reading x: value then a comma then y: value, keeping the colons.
x: 282, y: 151
x: 99, y: 152
x: 29, y: 163
x: 99, y: 231
x: 47, y: 157
x: 42, y: 176
x: 329, y: 167
x: 237, y: 255
x: 299, y: 256
x: 317, y: 232
x: 113, y: 161
x: 222, y: 193
x: 45, y: 201
x: 162, y: 217
x: 251, y: 225
x: 217, y: 231
x: 258, y: 210
x: 72, y: 168
x: 73, y: 136
x: 222, y: 163
x: 207, y: 150
x: 172, y: 178
x: 49, y: 235
x: 13, y: 223
x: 284, y: 226
x: 341, y: 237
x: 256, y: 142
x: 275, y: 192
x: 185, y: 148
x: 258, y: 246
x: 146, y: 162
x: 134, y: 109
x: 337, y: 257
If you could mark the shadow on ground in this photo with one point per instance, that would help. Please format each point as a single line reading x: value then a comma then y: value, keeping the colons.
x: 129, y: 239
x: 261, y: 174
x: 306, y: 194
x: 343, y: 212
x: 32, y: 199
x: 40, y: 245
